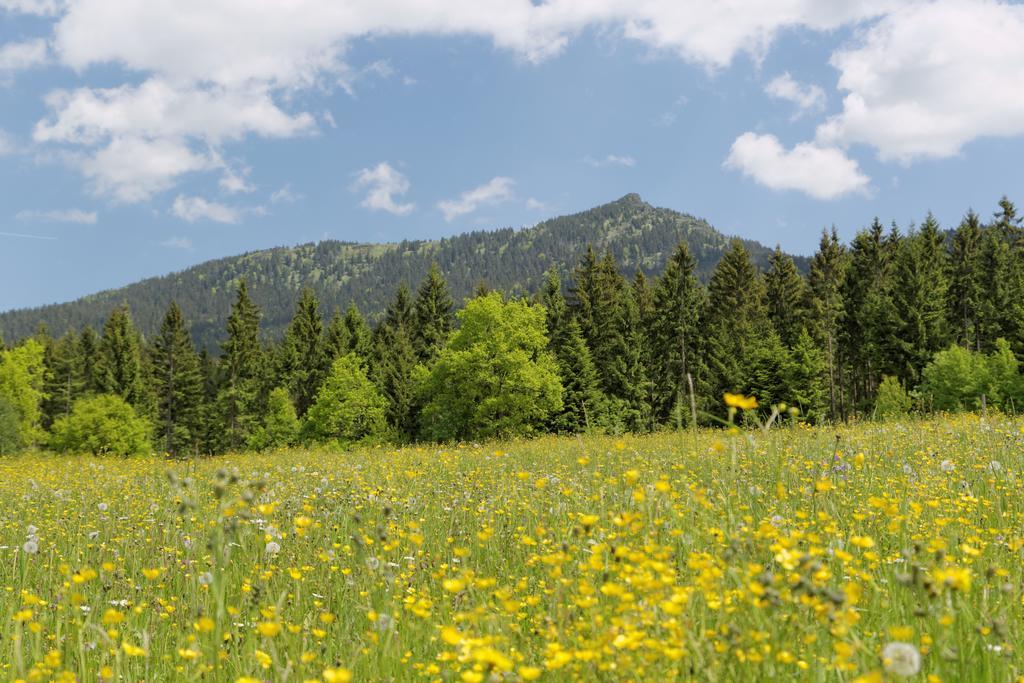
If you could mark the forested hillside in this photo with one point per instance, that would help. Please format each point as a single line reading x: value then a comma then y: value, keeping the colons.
x: 640, y: 236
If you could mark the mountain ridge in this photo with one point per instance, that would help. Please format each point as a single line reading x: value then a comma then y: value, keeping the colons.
x: 640, y: 236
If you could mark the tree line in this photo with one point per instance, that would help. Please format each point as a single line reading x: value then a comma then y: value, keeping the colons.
x: 926, y: 318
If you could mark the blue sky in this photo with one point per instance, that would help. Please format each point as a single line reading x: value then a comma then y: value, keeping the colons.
x: 142, y: 137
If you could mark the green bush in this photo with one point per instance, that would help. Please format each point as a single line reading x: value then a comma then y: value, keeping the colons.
x: 958, y: 379
x: 495, y: 377
x: 892, y: 399
x: 281, y: 426
x: 348, y: 407
x: 101, y: 425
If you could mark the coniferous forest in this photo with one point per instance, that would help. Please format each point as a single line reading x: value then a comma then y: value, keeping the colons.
x: 919, y: 319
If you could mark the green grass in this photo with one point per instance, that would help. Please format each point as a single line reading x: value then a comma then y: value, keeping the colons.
x: 796, y: 554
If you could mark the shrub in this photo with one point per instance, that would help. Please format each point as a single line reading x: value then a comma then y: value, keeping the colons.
x: 102, y: 425
x: 281, y: 426
x: 958, y: 379
x: 348, y: 407
x: 892, y: 399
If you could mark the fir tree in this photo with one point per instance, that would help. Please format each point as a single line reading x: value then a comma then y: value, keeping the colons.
x: 825, y: 285
x: 241, y: 370
x: 336, y: 339
x: 178, y: 385
x: 360, y: 338
x: 675, y: 334
x: 88, y: 352
x: 785, y: 296
x: 119, y: 365
x: 63, y: 383
x: 303, y: 360
x: 432, y: 313
x: 736, y: 320
x: 966, y: 294
x: 396, y: 362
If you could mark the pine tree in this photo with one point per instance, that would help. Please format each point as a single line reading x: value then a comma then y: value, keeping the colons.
x: 178, y: 385
x: 432, y: 315
x: 303, y: 359
x: 785, y: 296
x: 336, y: 338
x: 736, y: 319
x: 63, y: 383
x: 825, y: 284
x: 966, y: 294
x: 396, y: 360
x: 675, y: 337
x: 88, y: 352
x: 119, y: 365
x: 360, y: 338
x: 241, y: 373
x: 920, y: 298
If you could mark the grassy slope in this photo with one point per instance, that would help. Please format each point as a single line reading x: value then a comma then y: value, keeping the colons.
x: 759, y: 556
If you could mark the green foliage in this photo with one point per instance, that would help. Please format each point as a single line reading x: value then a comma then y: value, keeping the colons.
x: 785, y: 297
x: 10, y: 429
x: 101, y: 425
x: 960, y: 379
x: 119, y: 366
x: 396, y: 363
x: 177, y: 385
x: 241, y: 374
x: 433, y: 315
x: 303, y: 358
x: 496, y: 376
x: 348, y: 407
x: 22, y: 378
x: 892, y: 399
x: 281, y: 426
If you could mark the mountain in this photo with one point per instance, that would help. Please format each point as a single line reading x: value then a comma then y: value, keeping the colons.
x: 638, y: 234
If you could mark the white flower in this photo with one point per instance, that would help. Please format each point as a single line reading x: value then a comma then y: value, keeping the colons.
x: 901, y: 659
x: 31, y: 529
x: 102, y: 507
x: 995, y: 466
x: 947, y: 466
x: 206, y: 578
x: 30, y: 547
x: 273, y: 548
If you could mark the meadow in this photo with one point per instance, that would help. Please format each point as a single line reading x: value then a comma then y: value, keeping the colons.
x: 859, y: 553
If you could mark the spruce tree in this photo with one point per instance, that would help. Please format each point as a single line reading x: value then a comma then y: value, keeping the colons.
x: 119, y: 365
x: 360, y: 338
x: 785, y: 296
x: 825, y: 285
x: 395, y: 363
x: 88, y: 352
x: 736, y: 320
x: 178, y: 385
x: 433, y: 316
x: 63, y: 383
x: 241, y: 374
x: 675, y: 337
x: 966, y: 294
x: 303, y: 359
x: 336, y: 338
x: 920, y: 299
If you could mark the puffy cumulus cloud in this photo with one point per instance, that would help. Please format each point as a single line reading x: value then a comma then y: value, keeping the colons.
x: 192, y: 209
x: 22, y: 55
x: 821, y: 172
x: 806, y: 96
x: 930, y: 77
x: 382, y: 184
x: 216, y: 71
x: 131, y: 169
x: 498, y: 189
x: 59, y: 216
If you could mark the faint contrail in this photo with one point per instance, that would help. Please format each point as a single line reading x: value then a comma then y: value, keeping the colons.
x: 28, y: 237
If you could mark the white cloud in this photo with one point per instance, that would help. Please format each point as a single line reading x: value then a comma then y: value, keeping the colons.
x: 23, y: 55
x: 821, y: 172
x: 6, y: 144
x: 536, y: 205
x: 383, y: 182
x: 59, y: 216
x: 217, y: 71
x: 39, y: 7
x: 236, y: 181
x: 806, y: 96
x: 930, y: 77
x: 132, y: 170
x: 498, y: 189
x: 285, y: 195
x: 194, y: 209
x: 177, y: 243
x: 612, y: 160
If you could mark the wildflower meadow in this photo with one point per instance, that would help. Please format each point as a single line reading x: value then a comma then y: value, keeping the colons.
x: 881, y: 551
